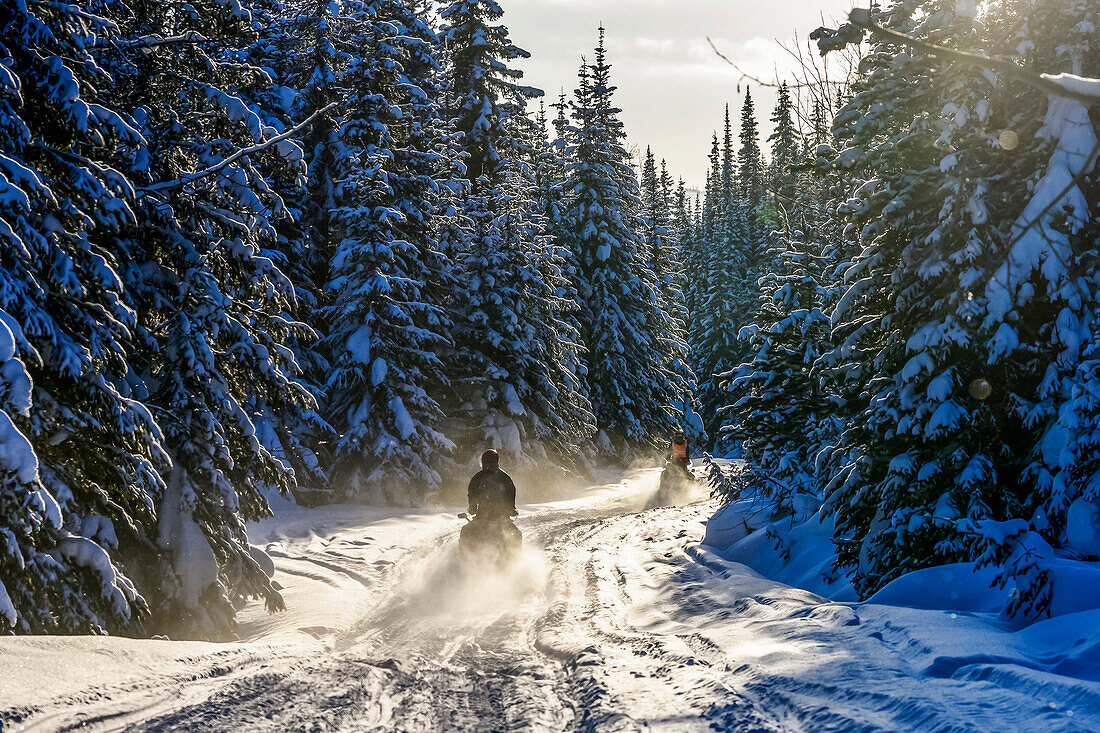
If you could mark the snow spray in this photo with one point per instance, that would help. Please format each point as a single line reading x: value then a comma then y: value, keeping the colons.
x: 452, y: 585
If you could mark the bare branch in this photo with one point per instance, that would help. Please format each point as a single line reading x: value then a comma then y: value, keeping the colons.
x: 757, y: 80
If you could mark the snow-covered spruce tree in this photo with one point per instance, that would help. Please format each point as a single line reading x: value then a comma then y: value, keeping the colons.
x: 517, y: 388
x: 212, y: 308
x: 1077, y: 494
x: 551, y: 181
x: 786, y: 147
x: 696, y: 253
x: 761, y: 214
x: 667, y: 192
x: 819, y: 132
x: 25, y: 522
x: 673, y: 276
x: 550, y: 177
x: 486, y: 90
x: 698, y: 259
x: 683, y: 224
x: 1043, y: 296
x: 964, y: 444
x: 729, y: 306
x: 80, y: 455
x: 387, y: 322
x: 688, y: 252
x: 314, y: 74
x: 549, y: 168
x: 561, y: 418
x: 669, y: 314
x: 730, y: 301
x: 750, y: 161
x: 294, y: 45
x: 784, y: 410
x: 629, y: 384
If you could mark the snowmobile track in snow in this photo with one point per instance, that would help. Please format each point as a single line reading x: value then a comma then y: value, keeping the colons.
x: 614, y: 621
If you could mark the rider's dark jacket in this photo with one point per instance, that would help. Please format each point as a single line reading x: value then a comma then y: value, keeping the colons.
x: 492, y: 494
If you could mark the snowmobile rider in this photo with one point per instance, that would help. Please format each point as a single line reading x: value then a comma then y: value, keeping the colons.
x: 492, y: 499
x: 492, y: 495
x: 678, y: 451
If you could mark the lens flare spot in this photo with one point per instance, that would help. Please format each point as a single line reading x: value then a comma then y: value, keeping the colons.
x: 981, y: 389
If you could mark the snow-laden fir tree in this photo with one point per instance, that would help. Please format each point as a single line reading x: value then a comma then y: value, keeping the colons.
x: 81, y: 456
x: 387, y: 322
x: 315, y: 75
x: 516, y: 387
x: 553, y: 203
x: 880, y: 480
x: 785, y: 410
x: 683, y: 224
x: 819, y: 132
x: 696, y: 251
x: 550, y: 178
x: 758, y: 253
x: 698, y: 258
x: 295, y: 46
x: 786, y: 147
x: 25, y: 521
x: 549, y: 168
x: 728, y: 248
x: 667, y: 192
x: 524, y: 393
x: 1043, y: 296
x: 968, y: 317
x: 486, y: 88
x: 656, y: 246
x: 212, y: 308
x: 750, y: 161
x: 629, y: 383
x: 785, y: 336
x: 669, y: 313
x: 672, y: 277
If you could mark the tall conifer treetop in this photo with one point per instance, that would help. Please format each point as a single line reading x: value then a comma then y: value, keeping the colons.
x: 485, y: 87
x: 750, y: 162
x: 629, y: 379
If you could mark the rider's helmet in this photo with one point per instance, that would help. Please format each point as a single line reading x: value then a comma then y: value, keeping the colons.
x: 679, y: 437
x: 490, y: 459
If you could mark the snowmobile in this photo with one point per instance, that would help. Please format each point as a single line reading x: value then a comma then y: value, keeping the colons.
x: 676, y: 482
x: 491, y: 539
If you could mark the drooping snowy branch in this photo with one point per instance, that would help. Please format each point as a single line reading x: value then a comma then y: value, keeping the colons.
x: 242, y: 153
x: 1070, y: 86
x: 145, y: 42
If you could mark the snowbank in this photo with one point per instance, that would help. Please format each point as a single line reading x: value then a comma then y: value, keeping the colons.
x: 794, y: 550
x: 964, y: 588
x: 797, y: 550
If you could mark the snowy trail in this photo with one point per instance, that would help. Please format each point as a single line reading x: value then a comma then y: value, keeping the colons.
x: 615, y: 621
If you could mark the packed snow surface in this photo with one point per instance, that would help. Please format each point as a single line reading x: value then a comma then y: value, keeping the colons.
x: 615, y: 619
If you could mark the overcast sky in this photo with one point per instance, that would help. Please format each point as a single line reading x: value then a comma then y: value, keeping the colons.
x: 672, y: 87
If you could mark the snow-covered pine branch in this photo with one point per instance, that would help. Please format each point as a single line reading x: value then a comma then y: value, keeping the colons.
x: 149, y: 41
x: 1083, y: 89
x: 242, y: 153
